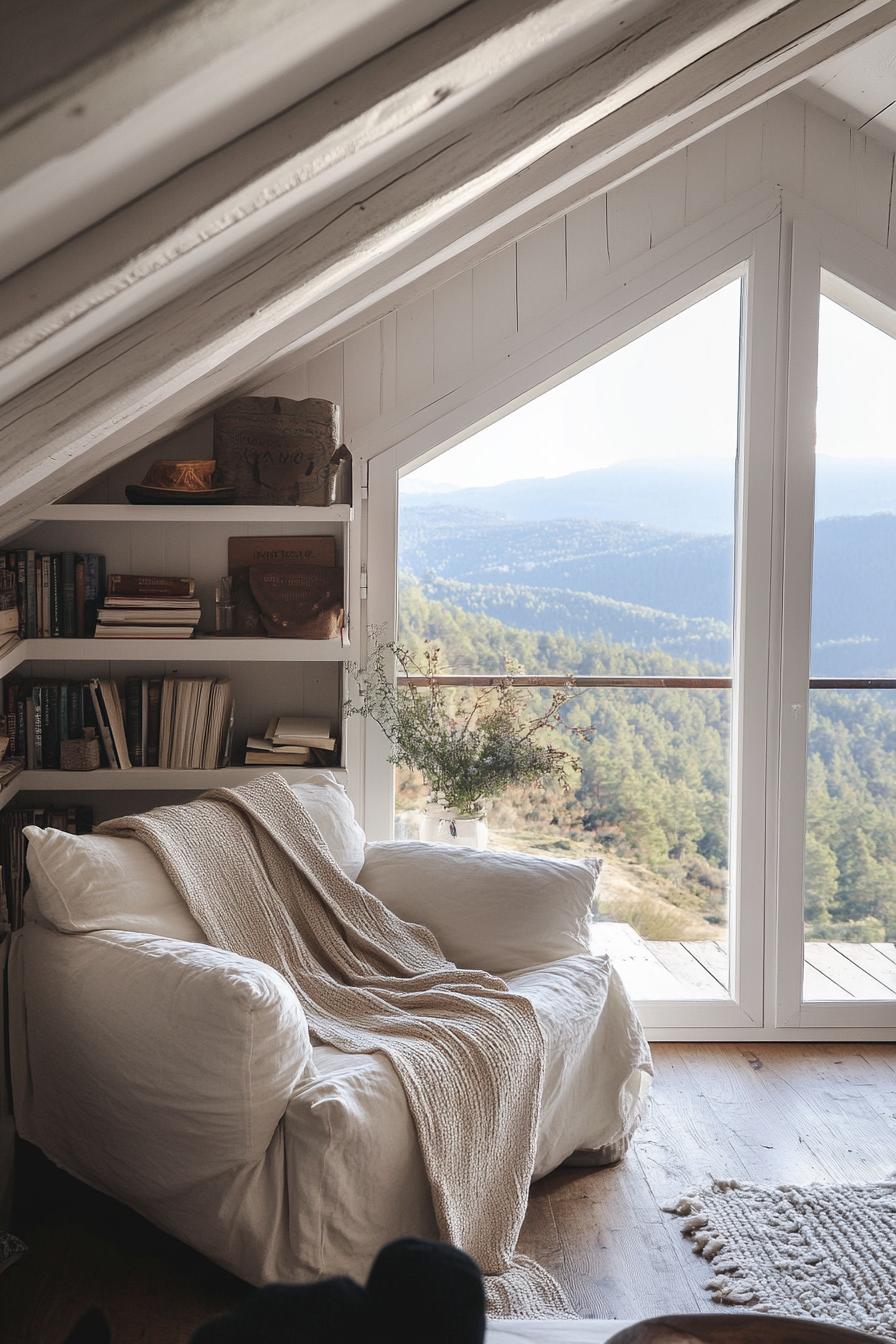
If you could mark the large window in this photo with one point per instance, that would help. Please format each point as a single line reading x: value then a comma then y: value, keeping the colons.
x: 593, y: 533
x: 850, y: 844
x: 688, y: 507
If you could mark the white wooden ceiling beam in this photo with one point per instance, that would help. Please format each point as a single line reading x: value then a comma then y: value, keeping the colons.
x: 480, y: 59
x: 102, y: 100
x: 487, y: 75
x: 197, y: 347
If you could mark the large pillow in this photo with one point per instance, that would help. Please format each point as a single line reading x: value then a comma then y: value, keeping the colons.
x: 330, y: 808
x: 495, y: 911
x: 81, y: 883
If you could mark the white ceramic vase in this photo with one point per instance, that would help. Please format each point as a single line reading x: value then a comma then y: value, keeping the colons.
x: 446, y: 826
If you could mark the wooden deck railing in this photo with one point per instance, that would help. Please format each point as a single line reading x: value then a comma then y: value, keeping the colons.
x: 661, y: 683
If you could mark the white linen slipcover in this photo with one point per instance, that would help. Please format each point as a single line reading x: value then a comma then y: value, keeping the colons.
x: 121, y: 1078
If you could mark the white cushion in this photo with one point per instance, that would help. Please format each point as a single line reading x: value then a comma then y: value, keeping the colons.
x: 81, y: 883
x: 330, y: 808
x: 496, y: 911
x: 178, y: 1061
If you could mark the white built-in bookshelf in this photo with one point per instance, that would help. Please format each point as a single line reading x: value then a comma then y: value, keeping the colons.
x: 269, y: 676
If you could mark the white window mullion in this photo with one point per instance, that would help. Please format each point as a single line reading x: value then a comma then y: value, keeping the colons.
x: 753, y: 578
x: 798, y: 537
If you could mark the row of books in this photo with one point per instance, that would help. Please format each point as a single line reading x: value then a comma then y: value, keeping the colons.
x: 13, y: 873
x: 293, y: 740
x: 50, y: 596
x: 146, y: 606
x: 177, y: 723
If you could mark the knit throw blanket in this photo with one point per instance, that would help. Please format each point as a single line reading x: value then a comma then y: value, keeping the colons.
x: 258, y: 879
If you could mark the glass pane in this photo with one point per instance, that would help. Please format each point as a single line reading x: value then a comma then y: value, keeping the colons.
x: 850, y: 874
x: 591, y: 532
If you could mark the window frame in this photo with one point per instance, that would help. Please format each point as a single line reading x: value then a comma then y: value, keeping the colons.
x: 630, y: 310
x: 828, y: 258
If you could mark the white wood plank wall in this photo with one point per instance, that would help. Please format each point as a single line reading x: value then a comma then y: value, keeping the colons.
x: 389, y: 371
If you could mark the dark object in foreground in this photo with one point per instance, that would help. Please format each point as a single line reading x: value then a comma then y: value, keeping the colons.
x: 93, y: 1328
x: 736, y: 1328
x: 416, y: 1290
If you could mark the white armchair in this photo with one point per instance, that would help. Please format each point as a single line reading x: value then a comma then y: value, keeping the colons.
x: 181, y: 1079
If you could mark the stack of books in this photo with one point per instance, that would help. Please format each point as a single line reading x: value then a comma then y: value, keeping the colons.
x: 13, y: 873
x: 147, y: 606
x: 173, y: 722
x: 291, y: 740
x: 57, y: 595
x: 195, y: 723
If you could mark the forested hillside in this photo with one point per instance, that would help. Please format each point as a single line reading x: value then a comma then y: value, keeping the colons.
x: 645, y: 587
x: 653, y: 790
x: 582, y: 614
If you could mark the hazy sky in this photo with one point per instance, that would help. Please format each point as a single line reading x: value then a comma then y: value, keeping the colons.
x: 672, y: 393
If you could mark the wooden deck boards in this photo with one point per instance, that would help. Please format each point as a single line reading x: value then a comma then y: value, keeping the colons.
x: 699, y: 969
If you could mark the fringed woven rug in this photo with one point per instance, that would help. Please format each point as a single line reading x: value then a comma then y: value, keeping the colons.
x: 823, y: 1252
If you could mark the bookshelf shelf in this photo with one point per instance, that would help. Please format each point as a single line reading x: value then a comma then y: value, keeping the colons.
x: 153, y: 779
x: 203, y: 650
x: 223, y: 514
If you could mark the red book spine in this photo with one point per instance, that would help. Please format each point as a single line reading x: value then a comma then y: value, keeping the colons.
x: 148, y: 585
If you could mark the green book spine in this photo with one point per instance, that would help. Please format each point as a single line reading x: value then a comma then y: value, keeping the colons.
x: 80, y: 590
x: 37, y: 700
x: 69, y: 616
x: 64, y: 730
x: 51, y: 728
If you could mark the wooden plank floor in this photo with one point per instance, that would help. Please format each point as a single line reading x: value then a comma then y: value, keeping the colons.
x: 772, y: 1113
x: 699, y: 969
x: 768, y: 1113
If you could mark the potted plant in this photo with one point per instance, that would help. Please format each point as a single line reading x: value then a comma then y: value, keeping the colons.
x: 469, y: 744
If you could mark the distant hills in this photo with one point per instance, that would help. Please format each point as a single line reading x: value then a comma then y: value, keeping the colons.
x: 562, y: 610
x: 675, y: 497
x: 644, y: 586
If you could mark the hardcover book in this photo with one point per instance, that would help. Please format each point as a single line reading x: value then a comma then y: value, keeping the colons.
x: 148, y: 585
x: 69, y: 616
x: 153, y: 703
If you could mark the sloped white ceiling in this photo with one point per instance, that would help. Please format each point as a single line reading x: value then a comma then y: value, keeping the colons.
x: 485, y: 118
x: 858, y: 86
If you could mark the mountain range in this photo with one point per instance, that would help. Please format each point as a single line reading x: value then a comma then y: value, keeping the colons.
x: 675, y: 497
x: 641, y: 585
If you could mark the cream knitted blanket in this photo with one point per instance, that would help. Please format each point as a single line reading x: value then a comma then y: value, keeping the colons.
x: 258, y: 879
